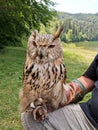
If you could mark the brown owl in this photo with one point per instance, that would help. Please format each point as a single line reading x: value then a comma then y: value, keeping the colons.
x: 44, y: 72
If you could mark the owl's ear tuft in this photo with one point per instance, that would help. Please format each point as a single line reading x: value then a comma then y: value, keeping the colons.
x: 34, y: 34
x: 58, y: 32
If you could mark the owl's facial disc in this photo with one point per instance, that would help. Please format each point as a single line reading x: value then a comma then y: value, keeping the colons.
x: 44, y: 48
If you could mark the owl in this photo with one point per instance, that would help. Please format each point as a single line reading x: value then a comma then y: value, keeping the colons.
x: 44, y: 72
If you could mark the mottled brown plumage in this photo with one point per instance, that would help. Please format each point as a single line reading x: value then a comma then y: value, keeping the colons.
x: 44, y: 71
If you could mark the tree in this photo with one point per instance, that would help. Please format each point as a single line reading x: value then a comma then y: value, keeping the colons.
x: 18, y: 17
x: 69, y: 36
x: 63, y: 37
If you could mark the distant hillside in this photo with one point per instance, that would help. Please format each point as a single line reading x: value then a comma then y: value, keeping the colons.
x: 92, y: 18
x: 78, y: 27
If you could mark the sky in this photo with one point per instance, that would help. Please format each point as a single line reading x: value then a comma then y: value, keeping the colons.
x: 77, y: 6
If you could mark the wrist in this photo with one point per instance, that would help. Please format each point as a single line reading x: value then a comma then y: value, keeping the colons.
x: 76, y: 89
x: 87, y: 82
x: 80, y: 89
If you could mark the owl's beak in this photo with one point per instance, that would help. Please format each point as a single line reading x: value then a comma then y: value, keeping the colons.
x: 41, y: 54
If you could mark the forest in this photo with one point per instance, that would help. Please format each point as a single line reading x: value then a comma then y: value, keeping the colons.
x: 19, y: 18
x: 79, y: 27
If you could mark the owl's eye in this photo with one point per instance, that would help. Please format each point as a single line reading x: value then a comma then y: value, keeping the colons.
x: 34, y: 43
x: 51, y: 46
x: 44, y: 45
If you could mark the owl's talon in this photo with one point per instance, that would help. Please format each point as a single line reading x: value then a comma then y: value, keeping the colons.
x: 39, y: 113
x: 32, y: 105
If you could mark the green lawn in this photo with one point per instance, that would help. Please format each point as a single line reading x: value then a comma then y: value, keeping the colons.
x: 88, y: 44
x: 11, y: 66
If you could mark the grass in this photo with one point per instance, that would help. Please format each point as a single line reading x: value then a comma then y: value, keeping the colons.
x: 77, y: 59
x: 11, y: 66
x: 88, y: 44
x: 12, y: 59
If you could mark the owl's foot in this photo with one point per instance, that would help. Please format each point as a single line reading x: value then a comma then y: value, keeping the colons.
x: 39, y: 109
x: 40, y: 113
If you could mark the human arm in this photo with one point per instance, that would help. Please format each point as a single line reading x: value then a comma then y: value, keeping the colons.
x: 87, y: 80
x: 73, y: 90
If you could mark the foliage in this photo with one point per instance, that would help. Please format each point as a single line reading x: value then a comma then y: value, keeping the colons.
x: 11, y: 66
x: 18, y: 17
x: 79, y: 27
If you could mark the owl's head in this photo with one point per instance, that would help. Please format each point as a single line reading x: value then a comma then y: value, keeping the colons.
x: 43, y: 48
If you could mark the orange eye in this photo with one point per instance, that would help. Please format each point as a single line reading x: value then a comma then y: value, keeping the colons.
x: 51, y: 46
x: 34, y: 43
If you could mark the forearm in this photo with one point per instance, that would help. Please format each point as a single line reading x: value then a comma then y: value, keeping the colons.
x: 76, y: 89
